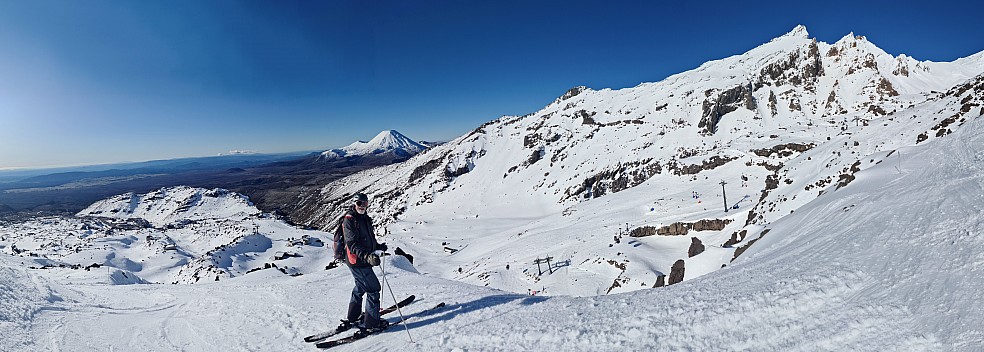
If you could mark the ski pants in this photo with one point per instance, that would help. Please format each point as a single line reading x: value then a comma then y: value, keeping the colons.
x: 366, y: 284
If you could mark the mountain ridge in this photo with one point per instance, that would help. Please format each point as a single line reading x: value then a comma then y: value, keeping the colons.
x: 757, y: 120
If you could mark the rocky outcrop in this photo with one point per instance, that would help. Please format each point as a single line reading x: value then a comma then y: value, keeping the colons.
x: 681, y: 228
x: 724, y: 103
x: 773, y: 103
x: 675, y: 229
x: 783, y: 150
x: 710, y: 224
x: 696, y: 247
x: 573, y: 92
x: 972, y: 94
x: 425, y: 169
x: 735, y: 238
x: 693, y: 169
x: 799, y: 68
x: 676, y: 272
x: 885, y: 88
x: 623, y: 176
x: 847, y: 177
x: 742, y: 249
x: 660, y: 281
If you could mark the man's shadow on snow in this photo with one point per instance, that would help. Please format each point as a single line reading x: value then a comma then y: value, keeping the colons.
x: 451, y: 311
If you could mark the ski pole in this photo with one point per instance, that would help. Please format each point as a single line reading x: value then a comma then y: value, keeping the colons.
x: 403, y: 320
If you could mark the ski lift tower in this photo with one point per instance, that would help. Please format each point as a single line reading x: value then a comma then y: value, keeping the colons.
x: 725, y: 196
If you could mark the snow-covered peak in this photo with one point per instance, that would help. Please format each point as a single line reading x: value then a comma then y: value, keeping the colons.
x: 594, y: 160
x: 798, y: 32
x: 393, y: 139
x: 849, y: 38
x: 172, y: 204
x: 385, y: 141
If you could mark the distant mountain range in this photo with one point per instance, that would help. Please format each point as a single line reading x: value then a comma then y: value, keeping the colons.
x: 271, y: 180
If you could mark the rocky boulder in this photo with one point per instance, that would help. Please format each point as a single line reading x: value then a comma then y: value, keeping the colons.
x: 676, y: 272
x: 696, y: 247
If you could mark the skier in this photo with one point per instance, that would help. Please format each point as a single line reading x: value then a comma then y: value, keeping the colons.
x: 361, y: 245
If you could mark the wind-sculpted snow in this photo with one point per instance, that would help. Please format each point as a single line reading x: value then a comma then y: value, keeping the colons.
x: 22, y: 298
x: 173, y: 235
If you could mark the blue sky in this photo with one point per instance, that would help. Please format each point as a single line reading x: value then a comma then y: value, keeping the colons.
x: 85, y: 82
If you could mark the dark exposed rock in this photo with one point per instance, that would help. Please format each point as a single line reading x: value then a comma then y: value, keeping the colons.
x: 742, y: 249
x: 696, y: 247
x: 831, y: 99
x: 798, y: 68
x: 660, y: 281
x: 693, y: 169
x: 425, y: 169
x: 586, y: 118
x: 921, y: 137
x: 769, y: 166
x: 457, y: 172
x: 285, y: 255
x: 846, y: 178
x: 814, y: 66
x: 735, y: 238
x: 869, y: 61
x: 902, y: 69
x: 622, y: 177
x: 710, y: 224
x: 753, y: 215
x: 773, y: 103
x: 885, y: 87
x: 674, y: 229
x: 771, y: 182
x: 783, y: 150
x: 531, y: 140
x: 680, y: 228
x: 725, y: 102
x: 794, y: 104
x: 676, y: 272
x: 642, y: 231
x: 535, y: 156
x: 573, y: 92
x: 876, y: 110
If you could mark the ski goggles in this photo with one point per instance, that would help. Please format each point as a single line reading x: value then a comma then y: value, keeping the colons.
x: 362, y: 204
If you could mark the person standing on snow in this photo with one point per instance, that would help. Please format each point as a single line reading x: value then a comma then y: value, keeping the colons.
x: 361, y: 245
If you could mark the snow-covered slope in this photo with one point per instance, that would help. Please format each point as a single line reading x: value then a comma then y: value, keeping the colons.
x: 853, y: 223
x: 389, y: 141
x: 888, y: 262
x: 172, y: 235
x: 780, y: 124
x: 174, y: 204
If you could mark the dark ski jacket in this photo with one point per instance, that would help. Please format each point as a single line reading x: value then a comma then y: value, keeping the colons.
x: 360, y: 240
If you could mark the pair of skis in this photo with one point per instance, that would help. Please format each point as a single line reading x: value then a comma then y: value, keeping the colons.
x: 358, y: 335
x: 390, y: 309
